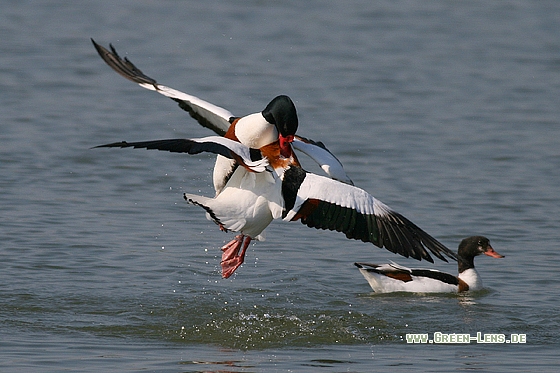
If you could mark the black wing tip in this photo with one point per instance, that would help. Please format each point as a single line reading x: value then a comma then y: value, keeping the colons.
x: 102, y: 50
x: 429, y: 258
x: 363, y: 265
x: 121, y: 144
x: 424, y: 241
x: 393, y: 232
x: 122, y: 66
x: 438, y: 249
x: 171, y: 145
x: 125, y: 68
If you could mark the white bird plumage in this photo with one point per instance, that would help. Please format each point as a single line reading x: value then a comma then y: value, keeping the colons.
x: 258, y: 178
x: 392, y: 277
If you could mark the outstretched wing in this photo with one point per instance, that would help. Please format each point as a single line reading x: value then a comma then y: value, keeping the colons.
x: 324, y: 203
x: 249, y: 158
x: 320, y: 154
x: 214, y: 117
x: 205, y: 113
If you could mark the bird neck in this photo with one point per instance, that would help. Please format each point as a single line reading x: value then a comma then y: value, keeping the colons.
x: 465, y: 263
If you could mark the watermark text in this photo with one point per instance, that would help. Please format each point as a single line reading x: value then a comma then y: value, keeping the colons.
x: 448, y: 338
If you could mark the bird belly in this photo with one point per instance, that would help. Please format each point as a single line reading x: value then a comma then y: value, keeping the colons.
x: 248, y: 203
x: 241, y: 210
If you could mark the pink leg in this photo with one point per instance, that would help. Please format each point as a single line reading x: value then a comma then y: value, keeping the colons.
x: 232, y: 258
x: 231, y: 248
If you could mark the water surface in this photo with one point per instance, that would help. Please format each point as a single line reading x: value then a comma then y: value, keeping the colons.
x: 447, y: 112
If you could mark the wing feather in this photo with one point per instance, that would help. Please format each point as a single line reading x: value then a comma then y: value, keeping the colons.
x: 324, y: 203
x: 250, y: 158
x: 322, y: 156
x: 403, y: 274
x: 212, y: 116
x: 205, y: 113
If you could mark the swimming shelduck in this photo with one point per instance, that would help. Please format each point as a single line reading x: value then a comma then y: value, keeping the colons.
x: 388, y: 278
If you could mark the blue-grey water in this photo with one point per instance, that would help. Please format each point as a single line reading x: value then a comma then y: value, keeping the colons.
x: 447, y: 111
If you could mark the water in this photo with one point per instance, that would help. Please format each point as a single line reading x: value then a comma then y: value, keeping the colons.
x: 446, y: 111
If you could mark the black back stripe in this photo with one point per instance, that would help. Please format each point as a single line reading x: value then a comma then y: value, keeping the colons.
x: 436, y: 275
x: 293, y: 178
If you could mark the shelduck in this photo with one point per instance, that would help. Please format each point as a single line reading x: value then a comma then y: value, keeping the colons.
x: 268, y: 186
x: 388, y: 278
x: 258, y: 178
x: 277, y: 121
